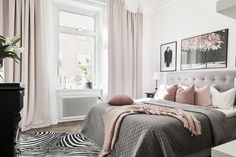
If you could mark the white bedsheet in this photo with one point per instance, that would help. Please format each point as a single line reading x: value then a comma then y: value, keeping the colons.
x: 228, y: 112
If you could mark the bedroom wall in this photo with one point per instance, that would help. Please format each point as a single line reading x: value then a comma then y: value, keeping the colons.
x: 178, y: 20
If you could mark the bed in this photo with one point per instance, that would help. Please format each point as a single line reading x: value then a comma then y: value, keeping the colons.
x: 151, y: 135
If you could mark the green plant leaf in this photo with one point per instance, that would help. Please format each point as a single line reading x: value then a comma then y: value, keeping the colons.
x: 2, y: 37
x: 3, y: 48
x: 9, y: 54
x: 2, y: 40
x: 6, y: 51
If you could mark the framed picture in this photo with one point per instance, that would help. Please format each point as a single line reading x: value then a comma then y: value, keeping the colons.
x: 168, y: 56
x: 205, y: 51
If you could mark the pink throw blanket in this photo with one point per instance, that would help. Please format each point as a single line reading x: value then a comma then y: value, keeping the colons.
x: 114, y: 115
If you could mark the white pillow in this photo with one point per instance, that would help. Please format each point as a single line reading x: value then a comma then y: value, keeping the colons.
x: 160, y: 90
x: 224, y: 100
x: 166, y: 92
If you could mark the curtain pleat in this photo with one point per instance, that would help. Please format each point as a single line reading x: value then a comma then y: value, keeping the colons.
x: 24, y: 18
x: 125, y: 31
x: 1, y: 17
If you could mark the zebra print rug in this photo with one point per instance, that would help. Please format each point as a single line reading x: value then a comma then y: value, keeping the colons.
x: 48, y: 144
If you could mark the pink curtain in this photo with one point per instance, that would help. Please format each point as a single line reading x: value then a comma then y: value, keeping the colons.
x: 125, y: 33
x: 24, y: 18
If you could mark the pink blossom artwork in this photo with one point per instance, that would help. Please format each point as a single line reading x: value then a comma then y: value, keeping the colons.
x: 205, y: 51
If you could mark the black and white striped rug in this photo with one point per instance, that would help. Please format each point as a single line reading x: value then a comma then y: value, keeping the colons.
x: 48, y: 144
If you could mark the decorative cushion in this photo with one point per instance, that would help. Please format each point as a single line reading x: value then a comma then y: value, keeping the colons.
x: 183, y: 86
x: 223, y: 100
x: 120, y: 100
x: 167, y: 93
x: 203, y: 96
x: 185, y: 96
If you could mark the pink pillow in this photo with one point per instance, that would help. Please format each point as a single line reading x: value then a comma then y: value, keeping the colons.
x: 171, y: 92
x: 120, y: 100
x: 203, y: 96
x: 167, y: 93
x: 185, y: 96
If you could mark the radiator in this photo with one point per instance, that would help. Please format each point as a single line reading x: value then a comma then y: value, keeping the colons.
x: 75, y: 107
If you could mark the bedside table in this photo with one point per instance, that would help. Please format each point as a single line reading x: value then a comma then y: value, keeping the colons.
x: 150, y: 95
x: 224, y: 150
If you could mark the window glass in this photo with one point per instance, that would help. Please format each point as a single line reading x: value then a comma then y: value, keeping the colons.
x: 76, y: 59
x: 80, y: 22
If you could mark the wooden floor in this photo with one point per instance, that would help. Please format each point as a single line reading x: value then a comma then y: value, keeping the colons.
x: 69, y: 127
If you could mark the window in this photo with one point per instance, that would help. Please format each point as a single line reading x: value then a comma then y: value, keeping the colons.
x: 77, y: 48
x: 76, y: 21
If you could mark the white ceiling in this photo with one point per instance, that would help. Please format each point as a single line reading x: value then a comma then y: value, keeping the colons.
x: 148, y: 6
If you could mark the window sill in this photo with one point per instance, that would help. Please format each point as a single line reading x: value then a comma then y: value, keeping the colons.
x: 76, y: 89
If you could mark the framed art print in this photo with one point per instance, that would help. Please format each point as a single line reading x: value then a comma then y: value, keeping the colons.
x: 168, y: 52
x: 205, y: 51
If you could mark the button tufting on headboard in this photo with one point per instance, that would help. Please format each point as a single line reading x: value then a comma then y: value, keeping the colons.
x: 222, y: 80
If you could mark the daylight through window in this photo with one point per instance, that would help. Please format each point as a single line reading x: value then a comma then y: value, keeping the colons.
x: 77, y: 39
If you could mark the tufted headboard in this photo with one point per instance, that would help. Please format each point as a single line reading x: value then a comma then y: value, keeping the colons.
x: 222, y: 80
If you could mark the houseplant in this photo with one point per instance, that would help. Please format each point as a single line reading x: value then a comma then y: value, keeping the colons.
x: 9, y: 49
x: 86, y: 73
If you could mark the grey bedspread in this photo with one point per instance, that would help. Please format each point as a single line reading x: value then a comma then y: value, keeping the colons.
x: 144, y: 135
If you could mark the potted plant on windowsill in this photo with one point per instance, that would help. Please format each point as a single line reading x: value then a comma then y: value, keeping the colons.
x: 9, y: 49
x: 86, y: 73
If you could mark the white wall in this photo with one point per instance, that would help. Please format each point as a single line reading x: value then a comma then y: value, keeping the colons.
x: 179, y: 20
x: 148, y: 51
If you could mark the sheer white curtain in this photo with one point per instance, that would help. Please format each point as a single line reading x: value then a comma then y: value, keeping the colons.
x: 125, y: 32
x: 24, y: 18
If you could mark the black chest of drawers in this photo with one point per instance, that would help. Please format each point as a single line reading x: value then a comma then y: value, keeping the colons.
x: 11, y: 103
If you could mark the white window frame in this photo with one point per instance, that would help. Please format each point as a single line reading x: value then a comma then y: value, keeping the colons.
x: 69, y: 30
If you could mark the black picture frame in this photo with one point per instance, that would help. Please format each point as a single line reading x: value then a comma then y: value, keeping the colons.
x: 168, y: 61
x: 206, y: 51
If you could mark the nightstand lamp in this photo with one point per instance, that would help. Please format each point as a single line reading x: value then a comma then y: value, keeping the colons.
x: 156, y: 77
